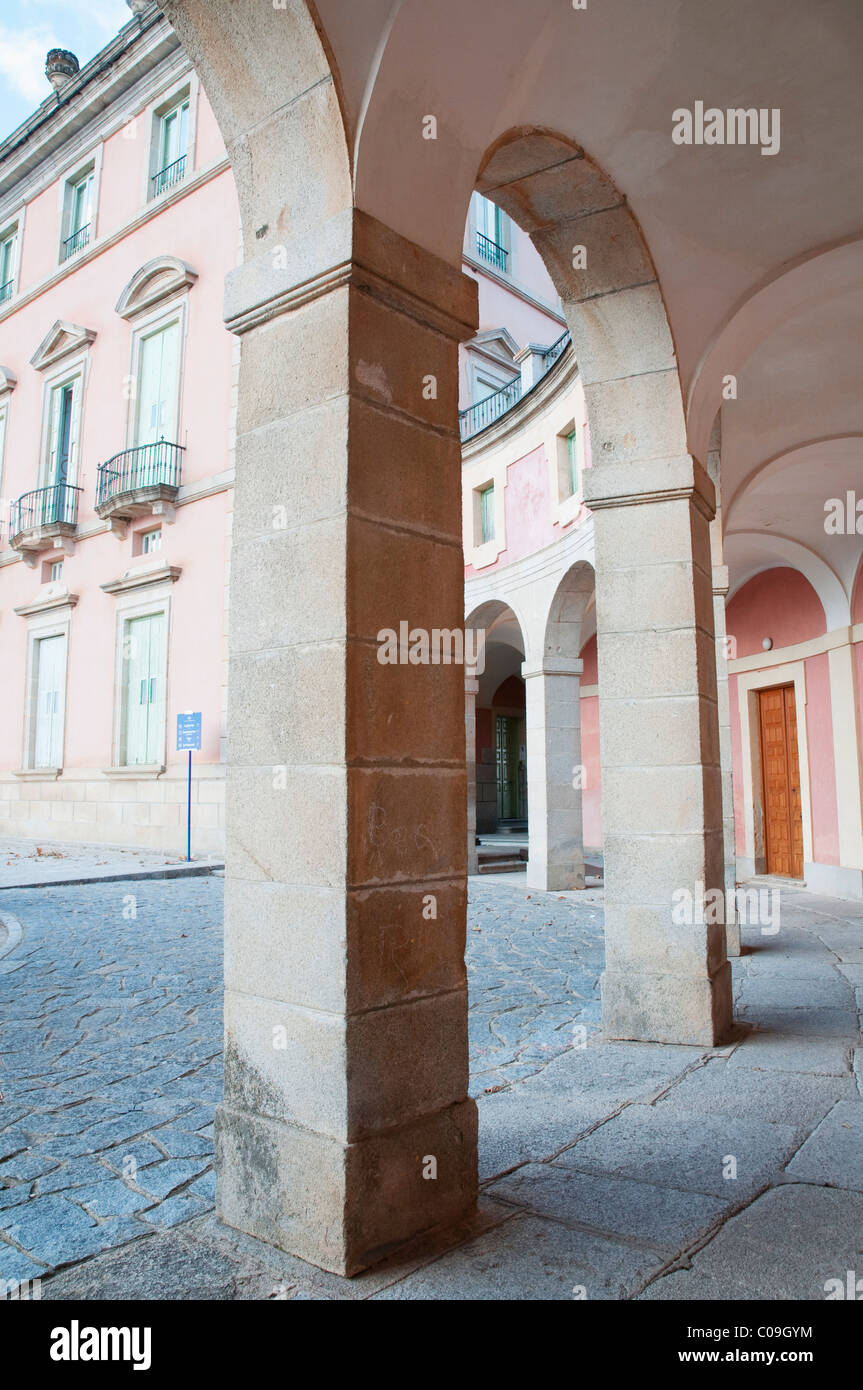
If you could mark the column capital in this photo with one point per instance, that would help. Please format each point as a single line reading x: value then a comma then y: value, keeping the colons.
x: 649, y: 480
x: 471, y: 685
x: 552, y: 666
x: 721, y: 580
x: 353, y: 249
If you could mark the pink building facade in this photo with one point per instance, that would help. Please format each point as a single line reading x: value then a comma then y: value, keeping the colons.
x: 116, y: 420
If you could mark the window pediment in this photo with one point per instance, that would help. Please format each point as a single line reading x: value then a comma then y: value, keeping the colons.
x: 154, y: 282
x: 8, y: 380
x: 61, y: 340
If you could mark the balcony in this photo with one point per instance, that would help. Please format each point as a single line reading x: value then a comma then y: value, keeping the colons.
x: 6, y: 291
x: 486, y: 411
x: 169, y: 176
x: 491, y: 252
x: 76, y: 242
x: 41, y: 517
x: 135, y: 481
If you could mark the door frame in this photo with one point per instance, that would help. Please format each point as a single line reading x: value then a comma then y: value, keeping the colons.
x: 749, y: 685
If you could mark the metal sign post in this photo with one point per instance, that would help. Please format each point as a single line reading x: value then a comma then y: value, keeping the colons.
x: 189, y: 737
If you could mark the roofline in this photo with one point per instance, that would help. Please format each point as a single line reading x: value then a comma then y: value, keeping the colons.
x: 127, y: 37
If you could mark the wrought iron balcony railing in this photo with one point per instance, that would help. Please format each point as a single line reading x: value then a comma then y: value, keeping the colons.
x: 147, y: 466
x: 47, y: 506
x: 484, y: 412
x: 169, y: 176
x: 490, y: 251
x: 6, y: 291
x: 76, y: 242
x: 555, y: 350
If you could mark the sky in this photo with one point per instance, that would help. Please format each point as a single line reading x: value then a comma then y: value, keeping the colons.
x: 28, y: 28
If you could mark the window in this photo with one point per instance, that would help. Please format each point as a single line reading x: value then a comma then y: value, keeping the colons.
x: 62, y: 436
x: 52, y: 571
x: 143, y: 720
x: 77, y: 214
x: 151, y: 541
x: 568, y: 461
x: 8, y: 250
x: 492, y: 233
x: 486, y: 514
x: 3, y: 411
x: 157, y: 385
x: 49, y: 658
x: 171, y: 147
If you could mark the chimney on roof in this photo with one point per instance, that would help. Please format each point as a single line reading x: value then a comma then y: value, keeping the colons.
x: 60, y: 65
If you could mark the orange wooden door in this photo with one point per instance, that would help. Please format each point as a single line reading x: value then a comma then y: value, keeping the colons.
x: 783, y: 817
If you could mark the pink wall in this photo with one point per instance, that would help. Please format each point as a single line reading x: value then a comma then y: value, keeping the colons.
x: 201, y: 229
x: 778, y: 603
x: 528, y: 511
x: 781, y: 603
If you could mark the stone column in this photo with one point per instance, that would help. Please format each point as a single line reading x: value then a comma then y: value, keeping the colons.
x: 847, y: 756
x: 553, y: 717
x: 732, y: 925
x: 346, y: 1128
x: 665, y: 980
x: 471, y: 690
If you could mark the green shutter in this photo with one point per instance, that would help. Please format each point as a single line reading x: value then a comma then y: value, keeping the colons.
x: 144, y: 689
x: 572, y: 448
x: 158, y: 367
x: 486, y: 502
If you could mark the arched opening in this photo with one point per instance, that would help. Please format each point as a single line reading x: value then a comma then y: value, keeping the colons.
x: 652, y: 504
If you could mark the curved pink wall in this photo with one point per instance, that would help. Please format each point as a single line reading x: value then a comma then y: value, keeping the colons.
x: 778, y: 603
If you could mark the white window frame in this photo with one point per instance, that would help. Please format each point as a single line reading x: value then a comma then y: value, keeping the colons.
x: 172, y: 311
x: 68, y: 371
x: 47, y: 625
x: 92, y: 164
x: 4, y: 430
x: 186, y: 87
x: 14, y: 227
x: 130, y: 606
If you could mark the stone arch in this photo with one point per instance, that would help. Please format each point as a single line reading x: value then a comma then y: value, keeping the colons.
x: 564, y: 634
x: 613, y: 302
x: 652, y: 503
x: 272, y: 87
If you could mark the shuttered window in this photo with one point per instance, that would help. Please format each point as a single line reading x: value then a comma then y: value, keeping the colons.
x: 50, y: 683
x: 144, y: 689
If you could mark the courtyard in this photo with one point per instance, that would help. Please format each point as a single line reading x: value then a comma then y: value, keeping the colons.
x: 608, y: 1170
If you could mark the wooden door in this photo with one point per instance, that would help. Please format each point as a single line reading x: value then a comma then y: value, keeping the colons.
x: 780, y: 771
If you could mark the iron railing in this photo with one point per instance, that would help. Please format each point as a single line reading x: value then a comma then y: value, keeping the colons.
x: 169, y: 176
x: 555, y: 350
x: 490, y: 251
x: 45, y: 507
x: 6, y: 291
x: 148, y: 465
x: 76, y: 241
x: 484, y: 412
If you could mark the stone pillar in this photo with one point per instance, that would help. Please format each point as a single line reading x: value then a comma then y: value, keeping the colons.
x: 847, y: 755
x: 732, y: 925
x: 553, y: 717
x: 665, y: 980
x: 471, y: 690
x: 346, y: 1128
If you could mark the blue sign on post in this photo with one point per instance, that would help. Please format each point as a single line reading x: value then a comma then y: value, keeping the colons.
x: 189, y: 736
x: 189, y: 730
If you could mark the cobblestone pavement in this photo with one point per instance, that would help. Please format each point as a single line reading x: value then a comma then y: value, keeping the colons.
x: 606, y: 1167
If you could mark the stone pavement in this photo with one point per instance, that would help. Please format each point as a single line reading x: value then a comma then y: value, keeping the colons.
x: 35, y: 863
x: 610, y: 1170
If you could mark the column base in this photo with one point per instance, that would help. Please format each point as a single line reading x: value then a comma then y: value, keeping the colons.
x: 667, y: 1008
x: 551, y: 878
x: 344, y: 1206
